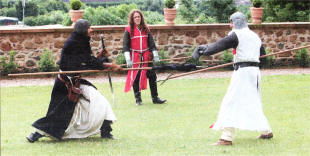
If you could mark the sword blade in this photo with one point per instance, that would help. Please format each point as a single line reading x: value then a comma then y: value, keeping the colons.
x: 111, y: 87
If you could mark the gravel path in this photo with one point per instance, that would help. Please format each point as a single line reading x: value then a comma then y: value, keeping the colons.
x: 121, y: 78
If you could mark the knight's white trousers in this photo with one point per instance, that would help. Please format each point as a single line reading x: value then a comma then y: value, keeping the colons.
x: 242, y: 105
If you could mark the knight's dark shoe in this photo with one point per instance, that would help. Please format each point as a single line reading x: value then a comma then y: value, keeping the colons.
x: 138, y: 102
x: 34, y: 137
x: 223, y: 142
x: 107, y: 136
x: 157, y: 100
x: 267, y: 136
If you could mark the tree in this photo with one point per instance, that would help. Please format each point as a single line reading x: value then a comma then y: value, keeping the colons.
x: 122, y: 11
x: 202, y: 6
x: 188, y: 10
x: 221, y: 9
x: 153, y: 5
x: 102, y: 16
x: 146, y: 5
x: 157, y: 5
x: 52, y: 5
x: 31, y: 9
x: 153, y: 17
x: 286, y: 11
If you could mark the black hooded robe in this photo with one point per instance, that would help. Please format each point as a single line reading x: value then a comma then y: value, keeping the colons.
x: 76, y: 55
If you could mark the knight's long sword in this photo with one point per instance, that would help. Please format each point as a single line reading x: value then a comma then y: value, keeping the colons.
x: 109, y: 75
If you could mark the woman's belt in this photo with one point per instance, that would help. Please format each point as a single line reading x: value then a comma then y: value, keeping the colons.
x: 139, y: 51
x: 245, y: 64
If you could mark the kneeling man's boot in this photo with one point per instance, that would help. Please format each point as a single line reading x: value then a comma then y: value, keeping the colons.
x: 157, y: 100
x: 34, y: 137
x: 106, y: 130
x: 266, y: 136
x: 107, y: 135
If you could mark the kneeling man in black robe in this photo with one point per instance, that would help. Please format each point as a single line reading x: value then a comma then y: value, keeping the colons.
x: 77, y: 109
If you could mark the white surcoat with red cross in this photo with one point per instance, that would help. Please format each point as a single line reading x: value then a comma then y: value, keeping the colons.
x: 139, y: 52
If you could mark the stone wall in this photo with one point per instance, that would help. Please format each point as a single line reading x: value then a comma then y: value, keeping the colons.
x: 30, y: 42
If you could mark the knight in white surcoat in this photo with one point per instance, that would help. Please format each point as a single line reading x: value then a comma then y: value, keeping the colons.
x: 241, y: 107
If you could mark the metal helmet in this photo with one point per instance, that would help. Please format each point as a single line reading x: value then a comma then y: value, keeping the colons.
x: 239, y: 20
x: 81, y: 26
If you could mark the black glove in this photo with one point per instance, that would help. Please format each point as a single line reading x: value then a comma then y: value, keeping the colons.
x: 199, y: 51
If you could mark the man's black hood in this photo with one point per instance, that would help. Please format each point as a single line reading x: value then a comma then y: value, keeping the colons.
x: 81, y: 27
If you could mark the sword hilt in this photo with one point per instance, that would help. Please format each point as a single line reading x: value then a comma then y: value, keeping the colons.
x: 102, y: 41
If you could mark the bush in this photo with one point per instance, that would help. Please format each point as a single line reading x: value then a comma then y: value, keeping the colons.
x: 269, y: 60
x: 221, y: 9
x: 3, y: 11
x: 101, y: 16
x: 123, y: 10
x: 286, y: 11
x: 52, y: 5
x: 31, y: 21
x: 302, y: 16
x: 11, y: 66
x: 54, y: 17
x: 162, y: 55
x: 47, y: 6
x: 204, y: 19
x: 152, y: 17
x: 106, y: 3
x: 11, y: 12
x: 42, y: 20
x: 257, y: 3
x: 191, y: 60
x: 75, y: 4
x: 39, y: 20
x: 31, y: 9
x: 227, y: 57
x: 188, y: 11
x: 66, y: 20
x: 151, y: 5
x: 46, y: 62
x: 302, y: 56
x: 42, y: 10
x: 169, y: 3
x: 120, y: 59
x: 120, y: 11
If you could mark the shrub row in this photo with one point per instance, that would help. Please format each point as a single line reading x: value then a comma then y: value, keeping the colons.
x: 47, y: 64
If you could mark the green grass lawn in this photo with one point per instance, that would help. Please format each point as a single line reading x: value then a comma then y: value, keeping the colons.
x: 179, y: 127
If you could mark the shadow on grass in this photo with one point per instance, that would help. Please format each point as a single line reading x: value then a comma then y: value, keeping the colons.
x: 253, y: 142
x: 93, y: 139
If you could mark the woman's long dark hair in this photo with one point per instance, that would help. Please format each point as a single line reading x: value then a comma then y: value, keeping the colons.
x: 131, y: 23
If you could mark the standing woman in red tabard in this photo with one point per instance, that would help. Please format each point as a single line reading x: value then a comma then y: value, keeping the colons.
x: 139, y: 46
